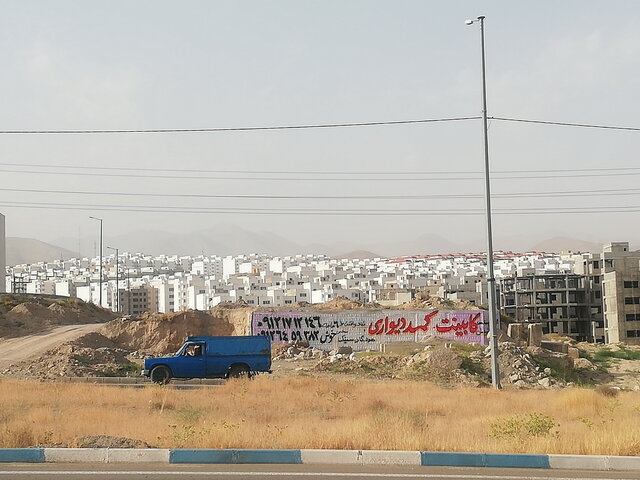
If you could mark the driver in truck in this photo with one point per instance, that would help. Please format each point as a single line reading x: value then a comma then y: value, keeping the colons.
x: 193, y: 351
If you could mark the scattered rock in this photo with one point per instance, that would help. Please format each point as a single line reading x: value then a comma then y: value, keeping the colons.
x: 583, y: 364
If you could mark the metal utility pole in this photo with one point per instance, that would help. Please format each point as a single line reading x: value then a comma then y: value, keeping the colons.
x: 117, y: 278
x: 100, y: 295
x: 491, y: 280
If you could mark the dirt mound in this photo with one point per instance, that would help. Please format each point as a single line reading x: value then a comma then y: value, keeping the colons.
x: 94, y: 340
x: 26, y: 314
x: 426, y: 302
x: 442, y: 366
x: 421, y: 302
x: 91, y: 355
x: 161, y: 334
x: 344, y: 303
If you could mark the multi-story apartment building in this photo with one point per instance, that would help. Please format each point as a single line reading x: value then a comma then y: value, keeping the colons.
x: 621, y: 293
x: 138, y: 300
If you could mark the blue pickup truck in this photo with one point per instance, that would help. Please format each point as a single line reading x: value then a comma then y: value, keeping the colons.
x: 213, y: 357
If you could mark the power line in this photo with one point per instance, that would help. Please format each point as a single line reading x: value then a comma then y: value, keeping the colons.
x: 306, y: 172
x: 309, y: 126
x: 400, y: 176
x: 336, y: 212
x: 408, y: 177
x: 552, y: 194
x: 236, y: 129
x: 566, y: 124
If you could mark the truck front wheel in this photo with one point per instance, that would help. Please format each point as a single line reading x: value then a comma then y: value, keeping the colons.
x: 239, y: 371
x: 160, y: 375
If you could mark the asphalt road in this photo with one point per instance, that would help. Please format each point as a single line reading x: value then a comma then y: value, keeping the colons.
x: 289, y: 472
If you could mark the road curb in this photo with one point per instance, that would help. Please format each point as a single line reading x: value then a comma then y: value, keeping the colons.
x: 311, y: 456
x: 235, y: 456
x: 22, y: 455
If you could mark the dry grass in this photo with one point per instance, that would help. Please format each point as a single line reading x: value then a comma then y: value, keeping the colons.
x: 309, y: 412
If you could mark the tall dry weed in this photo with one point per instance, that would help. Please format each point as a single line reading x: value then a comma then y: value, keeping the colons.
x: 309, y: 412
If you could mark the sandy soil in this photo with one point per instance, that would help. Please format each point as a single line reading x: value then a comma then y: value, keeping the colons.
x: 14, y: 350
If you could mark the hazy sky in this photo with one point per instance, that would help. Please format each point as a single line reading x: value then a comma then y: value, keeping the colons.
x: 206, y: 64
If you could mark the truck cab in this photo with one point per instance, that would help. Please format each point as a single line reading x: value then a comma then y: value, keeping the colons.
x: 213, y: 357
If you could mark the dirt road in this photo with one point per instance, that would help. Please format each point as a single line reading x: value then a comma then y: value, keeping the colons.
x: 15, y: 350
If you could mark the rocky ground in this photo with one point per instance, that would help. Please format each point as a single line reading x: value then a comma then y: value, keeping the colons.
x: 462, y: 364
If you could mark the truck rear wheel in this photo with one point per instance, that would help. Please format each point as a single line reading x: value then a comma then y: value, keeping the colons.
x: 239, y: 371
x: 160, y: 375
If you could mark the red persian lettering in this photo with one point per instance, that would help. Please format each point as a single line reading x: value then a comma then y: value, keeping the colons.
x: 380, y: 326
x: 384, y: 326
x: 473, y: 322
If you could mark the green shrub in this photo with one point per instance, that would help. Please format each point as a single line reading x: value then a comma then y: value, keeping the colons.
x: 533, y: 425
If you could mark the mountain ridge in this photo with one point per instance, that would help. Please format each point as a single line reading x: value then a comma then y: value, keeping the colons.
x: 235, y: 241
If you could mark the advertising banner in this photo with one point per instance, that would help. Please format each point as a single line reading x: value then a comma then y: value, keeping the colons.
x: 367, y: 330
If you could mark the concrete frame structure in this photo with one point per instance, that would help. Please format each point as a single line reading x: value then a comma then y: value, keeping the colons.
x: 559, y: 301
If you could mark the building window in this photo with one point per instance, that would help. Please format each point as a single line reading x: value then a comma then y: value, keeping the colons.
x: 633, y: 317
x: 596, y: 264
x: 608, y: 263
x: 630, y: 284
x: 632, y: 300
x: 633, y: 333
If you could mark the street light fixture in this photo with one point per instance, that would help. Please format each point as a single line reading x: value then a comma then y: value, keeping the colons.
x: 117, y: 278
x: 491, y: 280
x: 100, y: 296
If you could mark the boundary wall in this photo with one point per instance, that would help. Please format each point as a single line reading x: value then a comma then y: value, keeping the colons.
x: 370, y: 329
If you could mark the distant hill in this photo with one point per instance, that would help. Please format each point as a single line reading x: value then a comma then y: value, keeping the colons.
x: 223, y: 240
x: 28, y: 250
x: 358, y: 255
x: 563, y: 244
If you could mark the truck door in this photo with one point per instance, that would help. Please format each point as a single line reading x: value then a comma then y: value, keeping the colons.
x: 192, y: 362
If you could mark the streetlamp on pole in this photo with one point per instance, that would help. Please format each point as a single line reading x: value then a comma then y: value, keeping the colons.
x: 117, y: 278
x: 491, y: 280
x: 100, y: 295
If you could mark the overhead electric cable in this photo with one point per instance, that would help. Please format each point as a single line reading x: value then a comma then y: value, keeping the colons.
x: 566, y: 124
x: 236, y: 129
x: 305, y: 172
x: 310, y: 211
x: 401, y: 176
x: 308, y: 126
x: 552, y: 194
